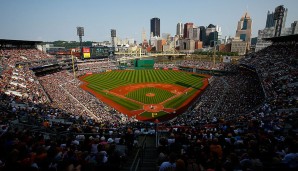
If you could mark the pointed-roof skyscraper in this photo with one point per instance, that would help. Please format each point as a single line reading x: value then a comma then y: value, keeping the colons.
x: 244, y: 29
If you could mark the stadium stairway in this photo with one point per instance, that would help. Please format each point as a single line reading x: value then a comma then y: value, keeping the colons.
x: 150, y: 155
x: 144, y: 158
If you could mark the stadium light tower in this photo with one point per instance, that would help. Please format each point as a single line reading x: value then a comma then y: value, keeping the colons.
x: 80, y: 33
x: 113, y: 35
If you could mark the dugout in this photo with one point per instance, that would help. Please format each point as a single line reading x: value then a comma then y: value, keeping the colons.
x: 143, y: 63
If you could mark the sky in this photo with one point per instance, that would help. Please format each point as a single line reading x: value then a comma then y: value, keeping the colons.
x: 51, y: 20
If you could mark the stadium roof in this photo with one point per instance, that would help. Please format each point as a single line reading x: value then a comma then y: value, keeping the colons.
x: 7, y: 43
x: 293, y: 37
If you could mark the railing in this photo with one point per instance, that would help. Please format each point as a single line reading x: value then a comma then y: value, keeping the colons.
x: 139, y: 157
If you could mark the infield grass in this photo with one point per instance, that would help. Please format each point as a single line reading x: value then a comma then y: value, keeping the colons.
x: 141, y: 95
x: 102, y: 83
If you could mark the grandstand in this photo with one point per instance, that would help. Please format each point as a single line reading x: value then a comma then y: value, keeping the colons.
x: 246, y: 120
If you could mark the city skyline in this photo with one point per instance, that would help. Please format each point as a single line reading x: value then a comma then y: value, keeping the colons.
x: 57, y: 20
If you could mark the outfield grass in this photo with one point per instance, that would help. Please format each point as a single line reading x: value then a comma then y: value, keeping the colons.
x: 111, y: 80
x: 102, y: 82
x: 159, y: 95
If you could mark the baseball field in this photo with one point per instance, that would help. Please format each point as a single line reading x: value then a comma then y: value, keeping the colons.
x: 146, y: 94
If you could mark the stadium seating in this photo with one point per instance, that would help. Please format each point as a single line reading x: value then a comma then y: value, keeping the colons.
x: 244, y: 121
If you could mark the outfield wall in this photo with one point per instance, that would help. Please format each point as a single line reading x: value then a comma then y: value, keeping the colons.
x: 143, y: 64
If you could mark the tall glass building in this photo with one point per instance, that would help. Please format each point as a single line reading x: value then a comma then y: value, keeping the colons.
x: 179, y: 29
x: 270, y: 19
x: 155, y: 26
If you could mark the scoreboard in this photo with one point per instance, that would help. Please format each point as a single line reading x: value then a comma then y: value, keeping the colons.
x: 97, y: 52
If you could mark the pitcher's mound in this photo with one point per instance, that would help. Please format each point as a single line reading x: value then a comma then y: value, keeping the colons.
x: 150, y: 94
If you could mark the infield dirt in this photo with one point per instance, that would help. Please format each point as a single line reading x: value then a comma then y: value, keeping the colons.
x: 123, y: 90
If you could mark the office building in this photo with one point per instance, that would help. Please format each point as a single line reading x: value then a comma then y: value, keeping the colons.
x: 213, y: 34
x: 294, y: 27
x: 179, y: 30
x: 238, y: 45
x: 196, y: 33
x: 270, y: 20
x: 275, y: 26
x: 244, y: 29
x: 186, y: 45
x: 210, y: 28
x: 203, y: 34
x: 159, y: 45
x: 188, y: 31
x: 213, y: 39
x: 198, y: 45
x: 280, y: 15
x: 155, y: 26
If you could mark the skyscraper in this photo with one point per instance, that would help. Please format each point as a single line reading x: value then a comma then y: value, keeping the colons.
x: 294, y: 27
x: 280, y: 15
x: 155, y: 26
x: 202, y: 34
x: 270, y: 20
x: 275, y: 26
x: 213, y: 34
x: 196, y: 33
x: 213, y: 38
x: 244, y: 29
x: 188, y: 30
x: 179, y: 30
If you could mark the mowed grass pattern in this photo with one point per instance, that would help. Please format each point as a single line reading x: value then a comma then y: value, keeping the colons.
x: 159, y: 95
x: 102, y: 82
x: 111, y: 80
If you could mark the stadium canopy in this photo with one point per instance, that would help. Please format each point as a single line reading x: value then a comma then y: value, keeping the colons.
x: 289, y: 38
x: 7, y: 43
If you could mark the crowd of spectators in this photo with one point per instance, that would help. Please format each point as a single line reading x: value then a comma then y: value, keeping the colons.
x: 191, y: 63
x: 76, y: 100
x: 24, y: 83
x: 9, y: 57
x: 96, y: 66
x: 277, y: 68
x: 251, y: 142
x: 227, y: 97
x: 54, y: 103
x: 233, y: 125
x: 203, y: 64
x: 248, y: 130
x: 105, y: 148
x: 18, y: 80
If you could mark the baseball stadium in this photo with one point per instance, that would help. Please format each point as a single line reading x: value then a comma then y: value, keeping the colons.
x: 147, y: 106
x: 194, y: 101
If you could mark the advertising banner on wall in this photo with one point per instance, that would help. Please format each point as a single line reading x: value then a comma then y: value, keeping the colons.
x: 86, y: 52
